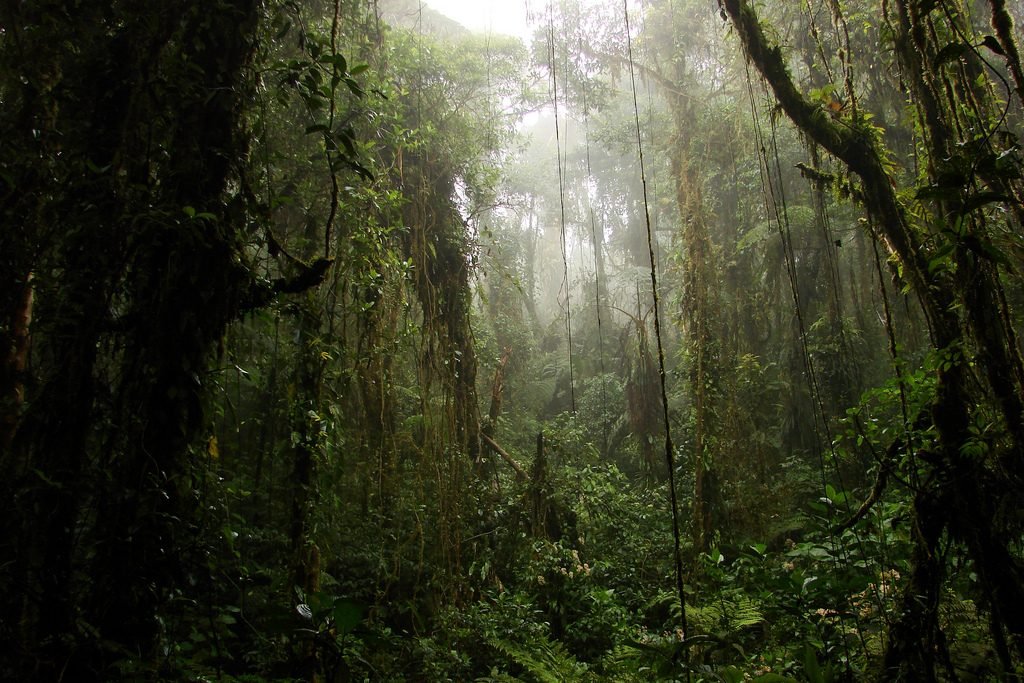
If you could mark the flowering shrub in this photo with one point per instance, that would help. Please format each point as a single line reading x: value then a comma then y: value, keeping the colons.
x: 583, y: 612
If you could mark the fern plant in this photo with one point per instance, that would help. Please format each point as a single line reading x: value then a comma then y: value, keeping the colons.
x: 727, y: 616
x: 544, y: 661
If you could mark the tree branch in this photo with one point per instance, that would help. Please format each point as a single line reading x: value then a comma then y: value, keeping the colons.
x: 855, y: 148
x: 520, y: 472
x: 881, y: 480
x: 264, y: 292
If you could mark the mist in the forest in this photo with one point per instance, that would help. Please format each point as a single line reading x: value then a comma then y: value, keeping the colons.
x: 664, y: 340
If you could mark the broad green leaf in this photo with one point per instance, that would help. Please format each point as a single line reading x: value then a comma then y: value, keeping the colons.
x: 347, y: 615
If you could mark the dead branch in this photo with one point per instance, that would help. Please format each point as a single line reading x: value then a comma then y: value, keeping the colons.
x: 520, y: 472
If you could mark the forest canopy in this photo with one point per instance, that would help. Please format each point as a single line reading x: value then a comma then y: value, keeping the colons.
x: 676, y: 341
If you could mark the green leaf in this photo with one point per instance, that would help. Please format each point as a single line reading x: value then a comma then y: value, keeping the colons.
x: 837, y: 497
x: 731, y: 674
x: 811, y: 667
x: 338, y: 61
x: 941, y: 257
x: 353, y: 86
x: 347, y: 615
x: 49, y: 482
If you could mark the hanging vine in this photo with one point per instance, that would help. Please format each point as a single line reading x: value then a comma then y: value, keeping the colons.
x: 970, y: 286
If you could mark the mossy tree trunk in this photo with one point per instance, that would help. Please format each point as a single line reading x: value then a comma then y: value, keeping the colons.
x: 124, y: 160
x: 960, y: 494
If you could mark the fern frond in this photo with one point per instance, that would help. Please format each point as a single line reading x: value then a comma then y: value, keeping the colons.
x: 729, y: 615
x: 545, y: 662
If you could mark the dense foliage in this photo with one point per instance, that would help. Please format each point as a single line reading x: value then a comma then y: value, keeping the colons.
x: 679, y: 342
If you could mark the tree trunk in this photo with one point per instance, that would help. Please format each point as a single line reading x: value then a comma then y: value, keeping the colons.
x: 948, y: 499
x: 145, y: 290
x: 15, y: 362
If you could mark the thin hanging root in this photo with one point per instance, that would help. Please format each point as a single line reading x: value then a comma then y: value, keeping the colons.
x: 561, y: 206
x: 598, y: 270
x: 669, y: 448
